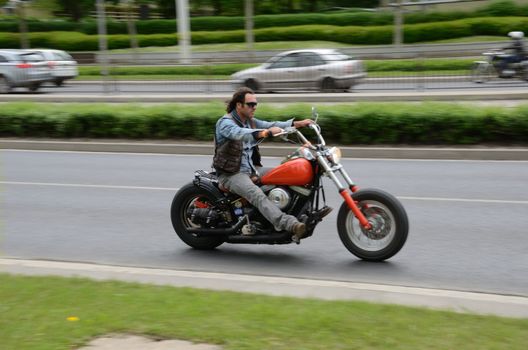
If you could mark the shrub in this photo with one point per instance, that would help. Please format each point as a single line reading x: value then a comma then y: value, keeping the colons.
x: 363, y: 123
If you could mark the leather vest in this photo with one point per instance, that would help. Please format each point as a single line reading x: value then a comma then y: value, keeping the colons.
x: 228, y: 155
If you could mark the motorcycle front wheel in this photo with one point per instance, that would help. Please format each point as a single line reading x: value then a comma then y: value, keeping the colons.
x: 184, y: 199
x: 389, y: 221
x: 482, y: 72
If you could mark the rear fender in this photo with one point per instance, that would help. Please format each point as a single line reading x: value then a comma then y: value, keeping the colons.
x: 210, y: 187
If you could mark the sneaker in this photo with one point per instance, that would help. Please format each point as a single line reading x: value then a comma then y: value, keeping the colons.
x: 298, y: 231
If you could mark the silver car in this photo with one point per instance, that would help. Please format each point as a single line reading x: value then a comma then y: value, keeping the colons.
x: 22, y: 69
x: 62, y: 65
x: 326, y: 70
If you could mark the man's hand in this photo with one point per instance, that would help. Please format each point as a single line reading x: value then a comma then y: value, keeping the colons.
x: 275, y: 130
x: 302, y: 123
x: 269, y: 132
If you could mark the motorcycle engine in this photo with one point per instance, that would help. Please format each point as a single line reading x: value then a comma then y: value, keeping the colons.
x: 280, y: 197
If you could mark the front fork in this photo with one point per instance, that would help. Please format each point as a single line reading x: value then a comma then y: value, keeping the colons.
x: 343, y: 191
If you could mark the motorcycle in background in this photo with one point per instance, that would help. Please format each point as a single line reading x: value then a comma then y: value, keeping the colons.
x: 372, y: 224
x: 484, y: 70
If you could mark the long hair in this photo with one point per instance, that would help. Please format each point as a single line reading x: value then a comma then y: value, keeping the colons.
x: 238, y: 96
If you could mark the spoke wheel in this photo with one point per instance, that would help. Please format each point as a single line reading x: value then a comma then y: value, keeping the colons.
x: 389, y: 223
x: 189, y: 197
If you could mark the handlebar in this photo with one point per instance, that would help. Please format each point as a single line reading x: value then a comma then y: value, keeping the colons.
x: 292, y: 130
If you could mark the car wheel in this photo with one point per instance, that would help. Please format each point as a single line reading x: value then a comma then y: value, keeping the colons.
x: 328, y: 85
x: 252, y: 84
x: 59, y: 82
x: 5, y: 88
x: 34, y: 87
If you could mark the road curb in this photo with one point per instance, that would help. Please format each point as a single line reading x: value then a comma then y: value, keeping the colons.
x: 458, y: 301
x: 206, y: 148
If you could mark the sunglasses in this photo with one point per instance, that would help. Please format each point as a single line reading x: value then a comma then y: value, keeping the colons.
x: 251, y: 104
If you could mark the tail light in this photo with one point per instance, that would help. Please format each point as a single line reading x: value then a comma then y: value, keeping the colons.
x: 24, y: 65
x: 51, y: 64
x: 349, y: 68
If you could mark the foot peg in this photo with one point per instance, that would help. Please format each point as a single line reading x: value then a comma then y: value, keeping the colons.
x: 324, y: 211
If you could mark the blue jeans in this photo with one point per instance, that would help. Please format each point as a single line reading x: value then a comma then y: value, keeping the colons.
x: 241, y: 184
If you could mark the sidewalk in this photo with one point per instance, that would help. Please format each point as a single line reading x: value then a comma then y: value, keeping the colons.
x: 459, y: 301
x: 269, y: 149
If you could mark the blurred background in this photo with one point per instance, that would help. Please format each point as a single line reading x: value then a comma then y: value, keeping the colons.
x: 216, y: 45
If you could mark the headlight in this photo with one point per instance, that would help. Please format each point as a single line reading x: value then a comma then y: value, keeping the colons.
x: 301, y: 152
x: 334, y: 155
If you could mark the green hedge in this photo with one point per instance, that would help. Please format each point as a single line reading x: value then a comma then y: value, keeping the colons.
x: 217, y: 69
x: 377, y: 35
x: 362, y: 123
x: 224, y: 23
x: 400, y: 65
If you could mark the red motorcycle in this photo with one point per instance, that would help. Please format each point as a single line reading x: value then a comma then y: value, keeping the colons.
x: 372, y: 224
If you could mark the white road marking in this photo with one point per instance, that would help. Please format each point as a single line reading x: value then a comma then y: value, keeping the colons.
x: 89, y: 186
x: 437, y: 199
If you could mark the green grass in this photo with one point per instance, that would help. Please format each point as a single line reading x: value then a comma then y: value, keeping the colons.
x: 470, y: 39
x: 291, y: 45
x: 35, y: 310
x: 267, y: 45
x: 375, y: 68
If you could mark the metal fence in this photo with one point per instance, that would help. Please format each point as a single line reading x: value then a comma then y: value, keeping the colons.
x: 406, y: 68
x: 211, y: 73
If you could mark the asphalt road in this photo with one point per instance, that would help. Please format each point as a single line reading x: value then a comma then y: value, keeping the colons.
x: 468, y: 220
x: 207, y: 87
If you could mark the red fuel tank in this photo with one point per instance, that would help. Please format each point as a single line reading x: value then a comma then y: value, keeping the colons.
x: 296, y: 172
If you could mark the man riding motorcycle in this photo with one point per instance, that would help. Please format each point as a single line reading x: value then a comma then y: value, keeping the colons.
x: 237, y: 159
x: 519, y: 52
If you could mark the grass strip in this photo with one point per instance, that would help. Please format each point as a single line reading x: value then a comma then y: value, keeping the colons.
x: 35, y: 312
x: 293, y: 45
x: 177, y: 77
x: 388, y: 67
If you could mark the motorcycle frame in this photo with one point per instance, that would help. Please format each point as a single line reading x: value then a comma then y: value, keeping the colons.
x: 330, y: 169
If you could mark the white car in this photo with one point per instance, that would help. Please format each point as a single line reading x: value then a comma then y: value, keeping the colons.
x: 325, y: 70
x: 61, y: 64
x: 22, y: 69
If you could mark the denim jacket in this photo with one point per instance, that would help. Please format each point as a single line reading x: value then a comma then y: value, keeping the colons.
x: 227, y: 129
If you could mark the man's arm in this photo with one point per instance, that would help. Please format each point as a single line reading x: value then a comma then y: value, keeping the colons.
x: 302, y: 123
x: 227, y: 128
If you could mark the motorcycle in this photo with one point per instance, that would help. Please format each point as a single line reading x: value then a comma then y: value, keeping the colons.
x: 371, y: 223
x: 483, y: 71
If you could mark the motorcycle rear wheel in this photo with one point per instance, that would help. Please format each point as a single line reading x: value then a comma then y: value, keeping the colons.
x: 184, y: 198
x: 388, y: 218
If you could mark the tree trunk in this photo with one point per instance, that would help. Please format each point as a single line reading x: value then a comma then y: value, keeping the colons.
x: 217, y: 7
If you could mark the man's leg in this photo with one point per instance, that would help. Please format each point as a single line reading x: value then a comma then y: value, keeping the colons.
x: 242, y: 185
